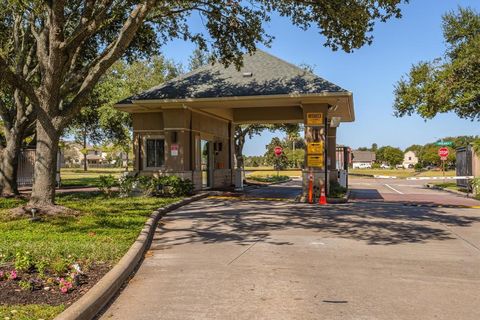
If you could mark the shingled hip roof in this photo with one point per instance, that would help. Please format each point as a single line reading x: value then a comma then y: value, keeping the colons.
x: 261, y: 75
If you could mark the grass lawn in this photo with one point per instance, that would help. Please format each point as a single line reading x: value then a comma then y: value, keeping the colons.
x: 268, y: 171
x: 103, y: 232
x: 77, y: 177
x: 30, y: 311
x: 401, y: 173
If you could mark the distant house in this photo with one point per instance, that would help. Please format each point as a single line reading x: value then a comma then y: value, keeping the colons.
x: 410, y: 159
x: 363, y: 159
x: 74, y: 155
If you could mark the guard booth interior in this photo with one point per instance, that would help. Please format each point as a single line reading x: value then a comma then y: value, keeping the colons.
x: 185, y: 127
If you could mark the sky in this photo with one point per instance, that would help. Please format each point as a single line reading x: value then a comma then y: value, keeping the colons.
x: 369, y: 72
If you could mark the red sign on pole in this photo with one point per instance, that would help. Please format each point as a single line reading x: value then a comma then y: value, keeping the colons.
x: 278, y: 151
x: 443, y: 152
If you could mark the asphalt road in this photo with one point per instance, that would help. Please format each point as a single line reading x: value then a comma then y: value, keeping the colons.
x: 404, y: 191
x: 255, y: 259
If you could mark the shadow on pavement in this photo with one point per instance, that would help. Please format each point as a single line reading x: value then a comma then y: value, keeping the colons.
x: 365, y: 194
x: 243, y: 223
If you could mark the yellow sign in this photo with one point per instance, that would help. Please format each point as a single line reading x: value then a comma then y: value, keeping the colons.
x: 315, y: 161
x: 315, y: 119
x: 315, y: 147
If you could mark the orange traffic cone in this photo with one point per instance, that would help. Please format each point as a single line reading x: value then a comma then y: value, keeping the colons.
x: 323, y: 198
x: 310, y: 189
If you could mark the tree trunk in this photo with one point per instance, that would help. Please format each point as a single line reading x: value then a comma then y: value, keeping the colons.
x: 240, y: 141
x: 126, y: 158
x: 43, y: 192
x: 9, y: 164
x: 85, y: 168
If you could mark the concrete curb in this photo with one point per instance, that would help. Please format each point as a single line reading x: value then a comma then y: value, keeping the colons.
x: 90, y: 304
x: 460, y: 193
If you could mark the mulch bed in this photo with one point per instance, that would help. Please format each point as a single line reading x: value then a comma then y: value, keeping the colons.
x: 12, y: 294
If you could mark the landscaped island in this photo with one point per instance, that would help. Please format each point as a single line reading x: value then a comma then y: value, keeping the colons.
x: 47, y: 264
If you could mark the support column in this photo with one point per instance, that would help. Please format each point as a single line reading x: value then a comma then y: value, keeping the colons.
x: 332, y: 153
x: 315, y: 172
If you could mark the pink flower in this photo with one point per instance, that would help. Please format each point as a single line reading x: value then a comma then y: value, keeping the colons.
x: 13, y: 275
x: 65, y: 285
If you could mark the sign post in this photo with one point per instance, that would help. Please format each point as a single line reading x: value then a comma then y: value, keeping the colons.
x: 278, y: 152
x: 443, y: 154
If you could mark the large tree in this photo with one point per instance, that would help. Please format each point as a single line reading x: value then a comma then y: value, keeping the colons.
x: 389, y: 155
x: 450, y: 83
x: 75, y: 42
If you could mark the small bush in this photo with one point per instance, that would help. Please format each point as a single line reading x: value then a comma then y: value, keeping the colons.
x: 270, y: 178
x: 165, y: 186
x: 106, y: 184
x: 23, y: 261
x: 173, y: 186
x: 126, y: 184
x: 376, y: 165
x: 336, y: 190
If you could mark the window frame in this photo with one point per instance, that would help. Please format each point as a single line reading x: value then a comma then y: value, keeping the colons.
x: 144, y: 152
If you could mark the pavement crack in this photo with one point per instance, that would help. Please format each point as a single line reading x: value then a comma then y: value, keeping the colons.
x: 241, y: 254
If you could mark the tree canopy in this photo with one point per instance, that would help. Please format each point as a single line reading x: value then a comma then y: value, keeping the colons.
x: 450, y: 83
x: 53, y: 53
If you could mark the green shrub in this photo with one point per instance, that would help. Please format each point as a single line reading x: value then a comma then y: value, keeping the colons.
x: 126, y: 184
x: 375, y: 165
x: 23, y: 261
x: 173, y: 186
x: 336, y: 190
x: 475, y: 183
x: 148, y: 185
x: 25, y: 285
x: 270, y: 178
x: 106, y: 184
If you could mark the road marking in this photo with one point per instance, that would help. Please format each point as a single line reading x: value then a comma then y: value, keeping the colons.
x: 394, y: 189
x: 442, y: 178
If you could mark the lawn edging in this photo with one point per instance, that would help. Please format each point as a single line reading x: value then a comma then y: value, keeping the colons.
x: 466, y: 195
x: 92, y: 302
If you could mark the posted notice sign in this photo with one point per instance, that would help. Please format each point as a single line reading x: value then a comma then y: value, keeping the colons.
x: 315, y: 147
x: 174, y: 150
x: 315, y: 161
x: 315, y: 119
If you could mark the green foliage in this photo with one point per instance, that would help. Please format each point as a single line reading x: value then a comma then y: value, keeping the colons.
x: 448, y: 84
x: 23, y: 261
x: 25, y: 285
x: 164, y: 186
x: 30, y: 312
x: 103, y: 232
x: 376, y: 165
x: 336, y: 190
x: 106, y: 184
x: 126, y: 184
x: 390, y: 155
x: 59, y: 265
x: 270, y: 179
x: 475, y: 183
x: 278, y: 162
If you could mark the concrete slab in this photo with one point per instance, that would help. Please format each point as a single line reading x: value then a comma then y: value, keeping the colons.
x: 221, y: 259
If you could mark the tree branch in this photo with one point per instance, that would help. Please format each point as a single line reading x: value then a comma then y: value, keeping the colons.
x: 17, y: 81
x: 111, y: 54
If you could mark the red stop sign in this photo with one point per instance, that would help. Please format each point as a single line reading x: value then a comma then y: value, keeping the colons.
x: 278, y: 151
x: 443, y: 152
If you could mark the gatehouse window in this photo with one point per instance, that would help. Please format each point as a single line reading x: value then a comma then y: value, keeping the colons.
x: 155, y: 150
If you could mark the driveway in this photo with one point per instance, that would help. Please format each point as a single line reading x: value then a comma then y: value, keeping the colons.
x: 231, y: 259
x: 404, y: 191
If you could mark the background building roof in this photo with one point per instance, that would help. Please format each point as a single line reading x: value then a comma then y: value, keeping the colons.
x: 363, y: 156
